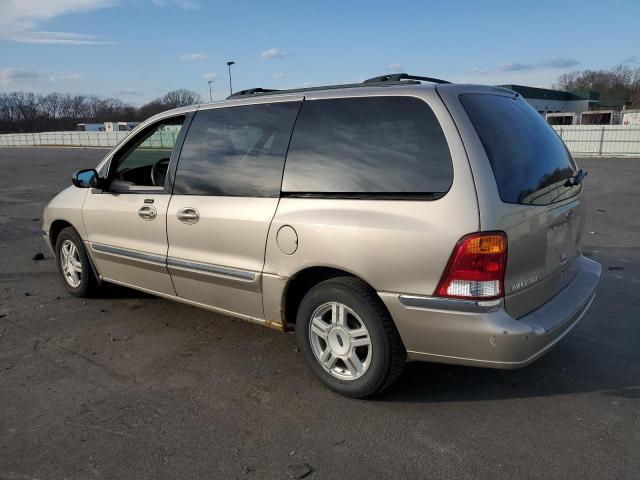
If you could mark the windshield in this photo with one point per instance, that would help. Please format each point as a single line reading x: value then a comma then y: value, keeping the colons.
x: 530, y: 162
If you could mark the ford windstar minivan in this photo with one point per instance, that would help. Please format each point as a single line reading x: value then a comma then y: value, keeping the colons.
x: 401, y: 218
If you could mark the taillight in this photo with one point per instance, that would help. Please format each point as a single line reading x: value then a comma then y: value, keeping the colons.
x: 476, y: 268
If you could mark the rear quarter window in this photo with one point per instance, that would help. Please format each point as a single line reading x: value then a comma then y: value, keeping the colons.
x: 530, y: 162
x: 388, y: 146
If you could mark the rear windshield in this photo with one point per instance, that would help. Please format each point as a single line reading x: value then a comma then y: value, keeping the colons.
x: 530, y: 162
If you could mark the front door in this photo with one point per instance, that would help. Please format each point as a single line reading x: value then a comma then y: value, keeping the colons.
x: 226, y: 192
x: 126, y: 222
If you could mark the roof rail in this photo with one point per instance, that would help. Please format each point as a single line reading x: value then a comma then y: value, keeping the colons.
x: 251, y: 91
x: 396, y: 77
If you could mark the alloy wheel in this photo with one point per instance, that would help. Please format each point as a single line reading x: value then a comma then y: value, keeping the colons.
x: 340, y: 341
x: 71, y: 263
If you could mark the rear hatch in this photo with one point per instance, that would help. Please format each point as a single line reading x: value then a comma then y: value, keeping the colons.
x: 541, y: 211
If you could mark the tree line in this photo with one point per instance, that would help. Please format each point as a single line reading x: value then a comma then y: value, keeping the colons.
x: 621, y: 83
x: 30, y: 112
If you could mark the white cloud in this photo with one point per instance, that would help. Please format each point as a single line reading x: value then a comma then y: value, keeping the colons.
x: 560, y: 62
x: 129, y: 93
x: 20, y: 20
x: 278, y: 76
x: 209, y: 76
x: 509, y: 67
x: 543, y: 77
x: 479, y: 71
x: 395, y: 67
x: 194, y: 57
x: 71, y: 77
x: 185, y: 4
x: 515, y: 67
x: 273, y: 53
x: 9, y: 76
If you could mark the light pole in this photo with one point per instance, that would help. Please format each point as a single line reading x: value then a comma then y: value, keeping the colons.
x: 210, y: 95
x: 229, y: 66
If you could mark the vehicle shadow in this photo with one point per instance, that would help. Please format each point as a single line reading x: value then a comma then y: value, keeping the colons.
x: 114, y: 292
x: 549, y: 376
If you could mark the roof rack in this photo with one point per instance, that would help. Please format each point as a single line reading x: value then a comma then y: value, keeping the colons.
x: 394, y: 78
x: 252, y: 91
x: 397, y: 77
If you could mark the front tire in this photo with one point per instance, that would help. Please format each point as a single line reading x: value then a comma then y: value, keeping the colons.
x: 349, y: 338
x: 73, y: 264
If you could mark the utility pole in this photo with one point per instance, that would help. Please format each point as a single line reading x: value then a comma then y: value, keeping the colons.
x: 210, y: 95
x: 230, y: 86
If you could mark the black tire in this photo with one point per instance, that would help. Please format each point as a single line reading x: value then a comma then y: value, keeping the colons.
x: 88, y: 284
x: 387, y: 354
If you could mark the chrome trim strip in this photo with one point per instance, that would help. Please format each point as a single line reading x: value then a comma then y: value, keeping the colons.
x: 133, y: 254
x: 210, y: 268
x: 453, y: 304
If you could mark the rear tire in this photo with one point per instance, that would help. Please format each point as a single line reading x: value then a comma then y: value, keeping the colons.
x: 348, y: 338
x: 74, y: 265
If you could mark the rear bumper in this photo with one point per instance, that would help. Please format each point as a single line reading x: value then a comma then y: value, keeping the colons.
x: 483, y: 334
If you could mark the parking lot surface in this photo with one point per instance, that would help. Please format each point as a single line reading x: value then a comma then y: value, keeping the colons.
x: 132, y: 386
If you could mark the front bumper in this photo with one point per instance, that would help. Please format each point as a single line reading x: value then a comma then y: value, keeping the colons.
x: 484, y: 334
x: 47, y: 240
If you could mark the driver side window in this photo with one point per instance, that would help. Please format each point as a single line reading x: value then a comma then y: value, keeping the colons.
x: 143, y: 163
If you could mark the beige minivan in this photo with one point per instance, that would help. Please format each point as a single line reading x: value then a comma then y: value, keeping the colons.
x: 401, y: 218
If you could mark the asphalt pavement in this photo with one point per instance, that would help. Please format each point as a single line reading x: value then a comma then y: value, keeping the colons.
x: 130, y: 386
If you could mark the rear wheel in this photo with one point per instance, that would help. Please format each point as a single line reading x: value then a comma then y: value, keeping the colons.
x: 73, y: 264
x: 349, y: 338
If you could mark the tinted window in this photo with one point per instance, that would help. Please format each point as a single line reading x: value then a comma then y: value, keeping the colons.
x: 236, y: 151
x: 375, y: 145
x: 529, y: 161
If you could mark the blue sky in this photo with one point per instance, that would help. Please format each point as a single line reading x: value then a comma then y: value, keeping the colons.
x: 137, y: 50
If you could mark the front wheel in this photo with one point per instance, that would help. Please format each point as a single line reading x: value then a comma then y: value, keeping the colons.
x: 73, y: 264
x: 348, y: 337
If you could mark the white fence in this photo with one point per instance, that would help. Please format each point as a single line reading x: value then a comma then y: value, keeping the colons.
x: 73, y: 139
x: 585, y: 140
x: 600, y: 140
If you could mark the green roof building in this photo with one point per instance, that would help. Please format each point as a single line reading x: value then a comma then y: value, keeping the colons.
x: 568, y: 107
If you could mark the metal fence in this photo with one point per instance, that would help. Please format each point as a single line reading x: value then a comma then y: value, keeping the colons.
x: 164, y: 139
x: 591, y: 140
x: 600, y: 140
x: 72, y: 139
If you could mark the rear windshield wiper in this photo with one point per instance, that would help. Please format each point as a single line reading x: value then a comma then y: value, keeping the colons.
x: 576, y: 179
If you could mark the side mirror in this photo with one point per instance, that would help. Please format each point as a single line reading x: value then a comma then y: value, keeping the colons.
x: 87, y: 178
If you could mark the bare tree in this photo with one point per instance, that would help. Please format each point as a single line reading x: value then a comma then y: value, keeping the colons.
x: 51, y: 106
x: 621, y: 83
x: 181, y: 98
x: 28, y: 112
x: 150, y: 109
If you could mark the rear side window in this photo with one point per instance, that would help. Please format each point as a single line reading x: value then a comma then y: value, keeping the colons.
x: 236, y: 151
x: 530, y: 162
x: 390, y: 146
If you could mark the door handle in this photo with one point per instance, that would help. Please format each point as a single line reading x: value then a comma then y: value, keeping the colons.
x: 147, y: 213
x: 188, y: 215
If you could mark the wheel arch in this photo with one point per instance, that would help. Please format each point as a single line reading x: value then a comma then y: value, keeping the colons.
x: 54, y: 231
x: 304, y: 280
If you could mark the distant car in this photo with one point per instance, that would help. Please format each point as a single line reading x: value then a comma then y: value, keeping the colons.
x: 404, y: 217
